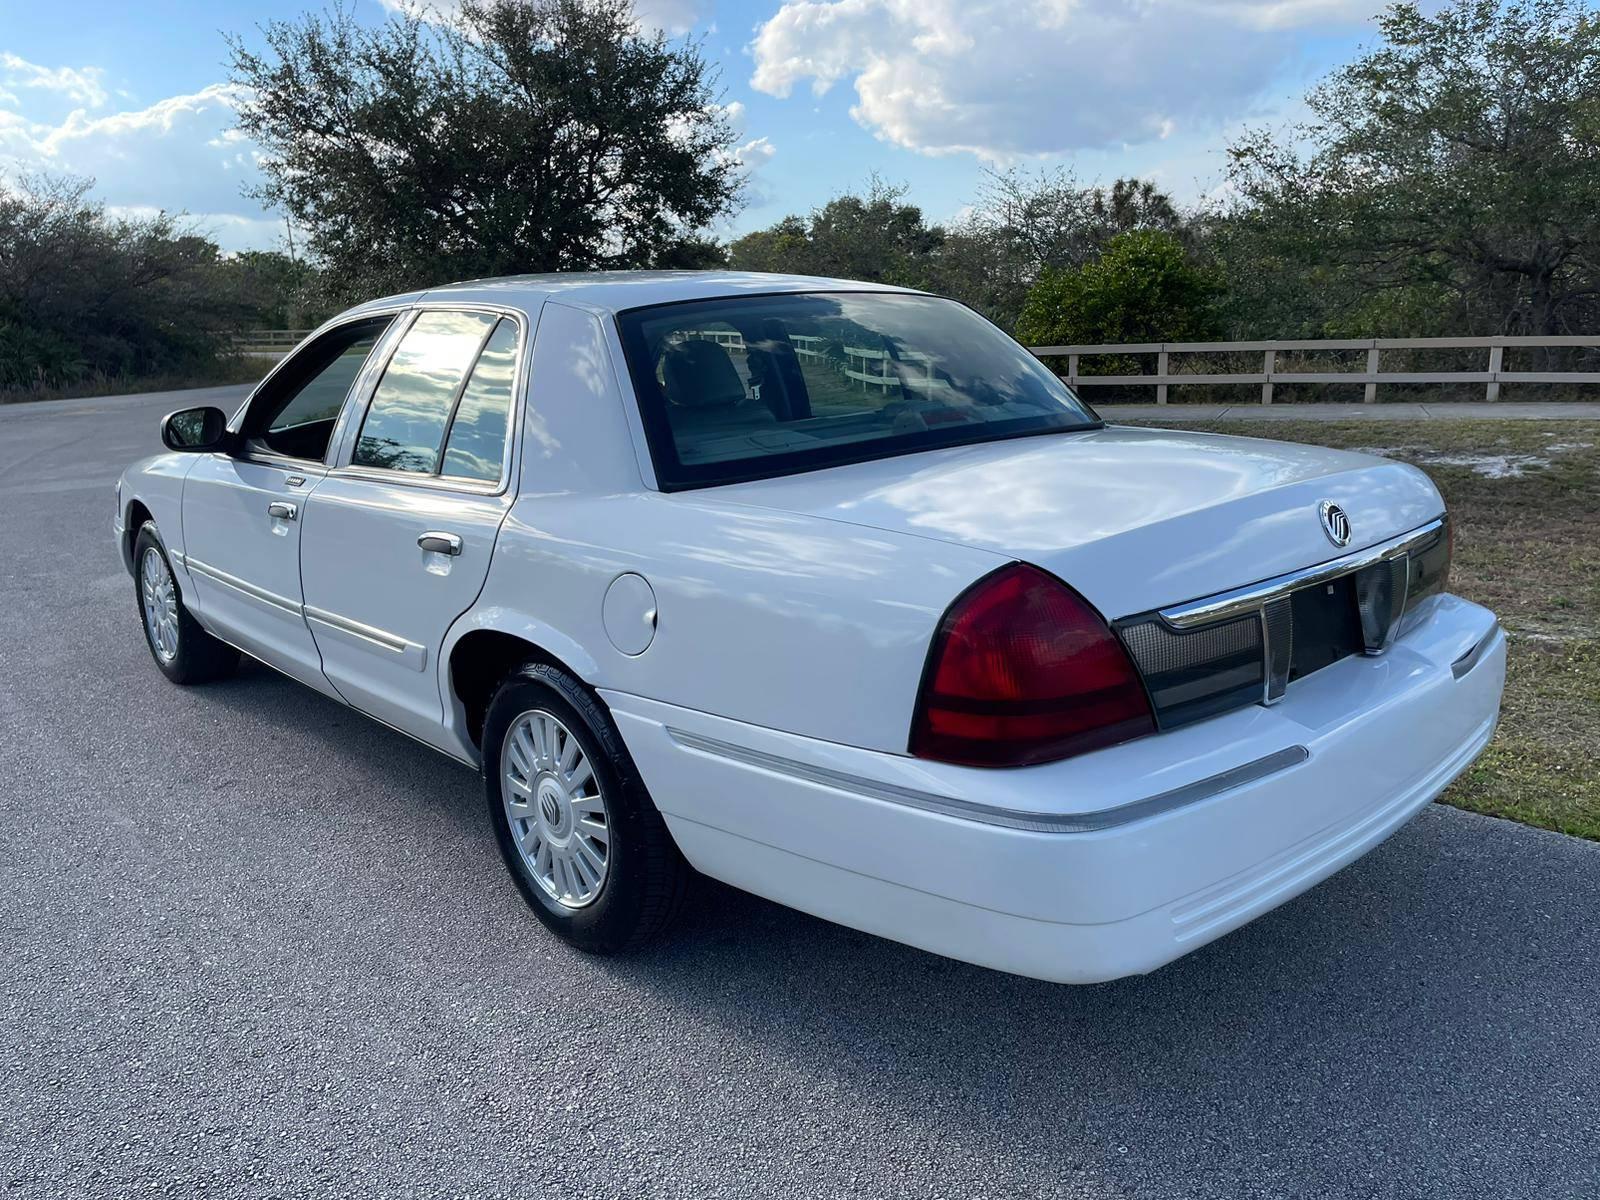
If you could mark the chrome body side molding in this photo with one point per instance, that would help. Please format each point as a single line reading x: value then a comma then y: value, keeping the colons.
x: 243, y: 586
x: 988, y: 814
x: 372, y: 638
x: 414, y: 656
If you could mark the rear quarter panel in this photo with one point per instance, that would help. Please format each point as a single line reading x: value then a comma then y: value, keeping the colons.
x: 802, y: 623
x: 796, y: 623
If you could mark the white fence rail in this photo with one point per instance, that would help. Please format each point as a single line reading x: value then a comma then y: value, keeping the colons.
x: 870, y: 367
x: 1371, y: 376
x: 268, y: 343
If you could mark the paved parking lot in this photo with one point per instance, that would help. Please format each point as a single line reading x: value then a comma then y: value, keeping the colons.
x: 256, y: 945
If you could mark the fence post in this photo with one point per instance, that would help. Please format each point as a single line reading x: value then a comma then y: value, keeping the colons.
x: 1369, y: 394
x: 1072, y: 370
x: 1497, y: 358
x: 1161, y: 370
x: 1269, y: 362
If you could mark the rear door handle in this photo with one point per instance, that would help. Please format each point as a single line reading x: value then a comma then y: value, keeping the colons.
x: 282, y: 510
x: 440, y: 543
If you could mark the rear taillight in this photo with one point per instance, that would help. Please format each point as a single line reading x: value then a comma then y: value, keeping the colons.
x: 1024, y: 670
x: 1430, y: 565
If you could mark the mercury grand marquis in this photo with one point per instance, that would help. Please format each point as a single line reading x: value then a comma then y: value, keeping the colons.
x: 830, y: 591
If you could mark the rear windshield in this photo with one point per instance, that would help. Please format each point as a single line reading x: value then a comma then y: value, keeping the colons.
x: 756, y: 386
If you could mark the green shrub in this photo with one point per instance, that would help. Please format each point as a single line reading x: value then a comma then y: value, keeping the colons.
x: 1142, y: 288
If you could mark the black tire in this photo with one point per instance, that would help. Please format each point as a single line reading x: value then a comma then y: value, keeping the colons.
x: 646, y: 878
x: 199, y: 657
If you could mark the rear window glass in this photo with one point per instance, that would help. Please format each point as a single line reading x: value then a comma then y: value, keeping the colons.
x: 757, y: 386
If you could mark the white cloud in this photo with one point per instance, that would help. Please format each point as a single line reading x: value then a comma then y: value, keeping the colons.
x: 673, y: 17
x: 231, y: 231
x: 1008, y: 78
x: 179, y: 153
x: 1290, y: 14
x: 748, y: 153
x: 754, y: 153
x: 670, y: 16
x: 79, y: 84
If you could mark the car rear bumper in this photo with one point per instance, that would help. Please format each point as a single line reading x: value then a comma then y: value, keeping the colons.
x: 1102, y: 866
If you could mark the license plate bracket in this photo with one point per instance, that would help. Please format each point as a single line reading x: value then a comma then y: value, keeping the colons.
x: 1327, y: 626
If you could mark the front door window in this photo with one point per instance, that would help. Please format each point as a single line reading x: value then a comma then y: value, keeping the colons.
x: 294, y: 413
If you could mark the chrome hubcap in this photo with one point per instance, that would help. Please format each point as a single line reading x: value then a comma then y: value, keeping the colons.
x: 555, y: 808
x: 160, y: 598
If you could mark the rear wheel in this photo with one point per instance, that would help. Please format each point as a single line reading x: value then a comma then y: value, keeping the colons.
x: 577, y: 829
x: 185, y: 652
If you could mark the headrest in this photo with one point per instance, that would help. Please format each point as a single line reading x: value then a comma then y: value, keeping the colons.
x: 700, y: 374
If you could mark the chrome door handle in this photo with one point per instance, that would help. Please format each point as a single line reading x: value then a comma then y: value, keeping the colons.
x: 440, y: 543
x: 282, y: 510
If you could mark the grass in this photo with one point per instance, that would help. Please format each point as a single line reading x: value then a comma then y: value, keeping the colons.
x: 226, y: 370
x: 1528, y: 547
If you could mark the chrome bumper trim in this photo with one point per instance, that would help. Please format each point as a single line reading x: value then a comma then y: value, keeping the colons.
x: 1474, y: 656
x: 1252, y: 596
x: 988, y: 814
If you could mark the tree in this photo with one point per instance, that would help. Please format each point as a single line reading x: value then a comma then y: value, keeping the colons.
x: 1026, y: 224
x: 520, y: 135
x: 84, y: 296
x: 875, y: 237
x: 1143, y: 288
x: 1454, y: 170
x: 275, y: 290
x: 785, y: 247
x: 1021, y: 226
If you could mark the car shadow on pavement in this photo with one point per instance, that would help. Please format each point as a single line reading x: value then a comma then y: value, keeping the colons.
x: 1428, y: 1014
x: 354, y: 744
x: 1410, y: 1013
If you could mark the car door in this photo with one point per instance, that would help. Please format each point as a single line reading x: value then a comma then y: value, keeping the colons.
x: 396, y: 538
x: 241, y: 511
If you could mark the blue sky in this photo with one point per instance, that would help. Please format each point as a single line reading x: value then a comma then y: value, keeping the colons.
x: 824, y: 92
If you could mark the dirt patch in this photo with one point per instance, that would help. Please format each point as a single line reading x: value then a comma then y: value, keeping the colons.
x: 1504, y: 465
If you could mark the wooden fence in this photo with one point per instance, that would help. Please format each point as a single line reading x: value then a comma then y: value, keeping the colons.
x: 269, y: 343
x: 1370, y: 377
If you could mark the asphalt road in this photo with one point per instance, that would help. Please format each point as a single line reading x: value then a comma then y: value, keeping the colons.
x: 256, y: 945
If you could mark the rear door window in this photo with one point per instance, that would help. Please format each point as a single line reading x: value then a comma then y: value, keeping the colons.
x: 476, y: 446
x: 406, y: 422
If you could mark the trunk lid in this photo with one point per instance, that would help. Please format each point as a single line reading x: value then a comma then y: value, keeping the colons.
x: 1135, y: 519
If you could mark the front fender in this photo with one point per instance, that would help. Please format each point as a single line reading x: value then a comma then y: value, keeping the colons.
x: 154, y: 485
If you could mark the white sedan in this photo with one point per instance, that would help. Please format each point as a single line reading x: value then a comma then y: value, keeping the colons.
x: 830, y: 591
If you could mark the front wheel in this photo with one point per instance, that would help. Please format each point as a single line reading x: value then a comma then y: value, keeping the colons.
x: 577, y: 829
x: 184, y: 652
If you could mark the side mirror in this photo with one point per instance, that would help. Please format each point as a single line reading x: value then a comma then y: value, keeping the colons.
x: 195, y: 429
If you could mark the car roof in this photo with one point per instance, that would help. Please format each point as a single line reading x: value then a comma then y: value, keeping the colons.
x: 616, y: 291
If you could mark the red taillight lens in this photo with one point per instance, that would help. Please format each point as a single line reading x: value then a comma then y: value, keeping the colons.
x: 1023, y: 670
